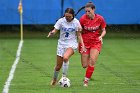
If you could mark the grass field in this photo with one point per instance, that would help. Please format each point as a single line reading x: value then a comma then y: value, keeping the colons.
x: 117, y: 69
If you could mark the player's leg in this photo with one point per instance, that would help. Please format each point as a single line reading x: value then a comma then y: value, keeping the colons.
x: 84, y: 56
x: 84, y: 60
x: 93, y: 58
x: 57, y: 69
x: 59, y: 62
x: 68, y: 53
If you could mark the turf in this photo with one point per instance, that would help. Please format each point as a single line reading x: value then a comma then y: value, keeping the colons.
x: 8, y: 48
x: 117, y: 69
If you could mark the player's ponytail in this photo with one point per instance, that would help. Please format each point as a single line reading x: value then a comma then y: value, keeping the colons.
x: 89, y: 4
x: 71, y: 11
x: 79, y: 10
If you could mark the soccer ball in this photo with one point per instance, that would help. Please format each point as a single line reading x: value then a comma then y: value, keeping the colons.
x: 64, y: 82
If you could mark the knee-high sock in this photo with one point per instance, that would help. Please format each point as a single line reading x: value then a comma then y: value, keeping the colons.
x: 89, y: 71
x: 65, y: 68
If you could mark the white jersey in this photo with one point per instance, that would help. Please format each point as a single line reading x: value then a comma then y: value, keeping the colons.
x: 68, y: 37
x: 67, y: 29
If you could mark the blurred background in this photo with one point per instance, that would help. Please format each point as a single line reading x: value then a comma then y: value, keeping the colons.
x: 41, y: 15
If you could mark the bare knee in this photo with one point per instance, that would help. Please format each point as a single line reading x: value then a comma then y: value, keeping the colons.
x: 65, y: 59
x: 84, y: 64
x: 92, y: 61
x: 84, y: 61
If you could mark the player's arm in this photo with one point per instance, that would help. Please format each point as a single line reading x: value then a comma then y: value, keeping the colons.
x: 102, y: 34
x: 57, y: 27
x: 54, y: 31
x: 80, y: 39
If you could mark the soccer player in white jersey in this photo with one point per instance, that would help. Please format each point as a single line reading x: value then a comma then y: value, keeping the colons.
x: 70, y: 30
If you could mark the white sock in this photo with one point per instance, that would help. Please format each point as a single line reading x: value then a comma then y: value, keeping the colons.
x: 65, y: 68
x: 86, y: 79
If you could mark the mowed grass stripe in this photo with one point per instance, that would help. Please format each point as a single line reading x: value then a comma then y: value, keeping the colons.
x: 8, y: 49
x: 117, y: 69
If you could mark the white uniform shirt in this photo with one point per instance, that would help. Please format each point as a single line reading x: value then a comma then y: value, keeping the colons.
x: 67, y: 29
x: 68, y: 37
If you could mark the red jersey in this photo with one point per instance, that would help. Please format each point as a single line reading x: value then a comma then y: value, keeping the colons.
x: 91, y: 28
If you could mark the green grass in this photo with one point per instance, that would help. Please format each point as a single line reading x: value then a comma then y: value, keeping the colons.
x: 8, y: 48
x: 117, y: 69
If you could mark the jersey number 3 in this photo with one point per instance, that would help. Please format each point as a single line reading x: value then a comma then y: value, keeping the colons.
x: 67, y: 34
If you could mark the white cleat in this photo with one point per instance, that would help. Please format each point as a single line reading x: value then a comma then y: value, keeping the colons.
x: 85, y: 83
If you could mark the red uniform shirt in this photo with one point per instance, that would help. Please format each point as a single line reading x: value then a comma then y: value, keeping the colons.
x: 91, y: 32
x: 91, y: 28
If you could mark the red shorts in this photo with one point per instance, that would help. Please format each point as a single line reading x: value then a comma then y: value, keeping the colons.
x: 97, y: 45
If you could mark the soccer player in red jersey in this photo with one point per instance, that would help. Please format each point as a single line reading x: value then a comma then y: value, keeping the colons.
x: 92, y: 24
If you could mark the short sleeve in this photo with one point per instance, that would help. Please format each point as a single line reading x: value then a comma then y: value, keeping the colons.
x: 78, y: 25
x: 103, y: 23
x: 81, y: 21
x: 58, y: 24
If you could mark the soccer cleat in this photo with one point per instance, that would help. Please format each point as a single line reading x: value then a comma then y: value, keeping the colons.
x: 53, y: 82
x: 85, y: 83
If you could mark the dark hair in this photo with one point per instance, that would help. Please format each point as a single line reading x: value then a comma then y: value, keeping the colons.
x: 71, y: 11
x: 90, y: 4
x: 79, y: 10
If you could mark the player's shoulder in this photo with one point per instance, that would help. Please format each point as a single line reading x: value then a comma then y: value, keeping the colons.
x: 61, y: 19
x: 84, y: 16
x: 75, y: 20
x: 99, y: 16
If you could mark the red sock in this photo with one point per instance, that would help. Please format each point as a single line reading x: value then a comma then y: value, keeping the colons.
x: 89, y: 72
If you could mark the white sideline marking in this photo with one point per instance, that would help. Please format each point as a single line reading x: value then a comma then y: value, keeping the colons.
x: 12, y: 71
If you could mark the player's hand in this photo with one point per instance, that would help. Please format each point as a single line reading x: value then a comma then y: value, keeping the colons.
x: 79, y: 29
x: 101, y: 39
x: 83, y: 49
x: 50, y: 34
